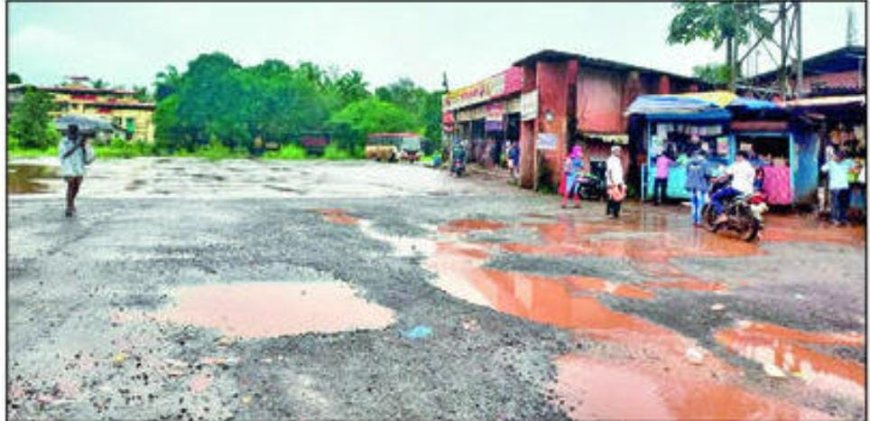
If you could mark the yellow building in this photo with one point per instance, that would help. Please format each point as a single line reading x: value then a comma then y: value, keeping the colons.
x: 132, y: 118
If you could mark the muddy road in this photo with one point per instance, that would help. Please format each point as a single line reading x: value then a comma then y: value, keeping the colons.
x: 251, y: 290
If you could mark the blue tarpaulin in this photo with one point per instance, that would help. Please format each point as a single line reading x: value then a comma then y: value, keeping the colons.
x: 753, y: 104
x: 711, y: 115
x: 654, y: 104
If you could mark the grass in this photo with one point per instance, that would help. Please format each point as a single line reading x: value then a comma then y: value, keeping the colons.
x: 288, y: 152
x: 32, y: 153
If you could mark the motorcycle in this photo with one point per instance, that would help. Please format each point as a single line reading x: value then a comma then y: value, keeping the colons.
x: 458, y: 167
x: 743, y: 214
x: 591, y: 187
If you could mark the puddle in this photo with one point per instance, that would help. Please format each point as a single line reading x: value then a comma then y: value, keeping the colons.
x: 403, y: 246
x: 338, y: 216
x: 269, y: 309
x: 25, y: 179
x: 688, y: 285
x: 786, y: 349
x: 794, y: 229
x: 588, y: 385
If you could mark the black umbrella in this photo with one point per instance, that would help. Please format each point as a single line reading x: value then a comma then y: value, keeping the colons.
x: 86, y: 124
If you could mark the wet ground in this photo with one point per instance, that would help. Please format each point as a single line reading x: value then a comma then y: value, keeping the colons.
x: 253, y: 290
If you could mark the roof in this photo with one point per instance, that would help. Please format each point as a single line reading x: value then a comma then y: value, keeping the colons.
x: 835, y: 61
x: 553, y: 55
x: 858, y: 100
x: 75, y: 90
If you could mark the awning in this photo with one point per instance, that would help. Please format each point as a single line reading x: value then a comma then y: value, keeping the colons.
x: 720, y: 98
x: 716, y: 115
x: 619, y: 139
x: 672, y: 104
x: 826, y: 101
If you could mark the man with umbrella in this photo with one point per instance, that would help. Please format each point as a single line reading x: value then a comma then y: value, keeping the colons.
x: 75, y: 153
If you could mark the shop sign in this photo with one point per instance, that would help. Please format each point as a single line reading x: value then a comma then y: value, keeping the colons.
x: 494, y: 112
x: 529, y: 106
x: 504, y: 83
x: 546, y: 141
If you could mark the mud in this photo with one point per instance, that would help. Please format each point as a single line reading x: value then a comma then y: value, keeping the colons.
x: 29, y: 179
x: 532, y: 309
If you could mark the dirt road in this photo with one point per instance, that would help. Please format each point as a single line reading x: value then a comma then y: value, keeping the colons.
x: 249, y: 290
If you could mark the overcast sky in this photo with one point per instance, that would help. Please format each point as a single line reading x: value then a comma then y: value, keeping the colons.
x: 127, y: 44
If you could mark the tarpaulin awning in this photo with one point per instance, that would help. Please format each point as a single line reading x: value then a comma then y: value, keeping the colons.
x: 715, y: 115
x: 720, y: 98
x: 673, y: 104
x: 619, y: 139
x: 753, y: 104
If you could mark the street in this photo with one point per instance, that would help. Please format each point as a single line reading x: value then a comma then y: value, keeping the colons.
x: 253, y: 290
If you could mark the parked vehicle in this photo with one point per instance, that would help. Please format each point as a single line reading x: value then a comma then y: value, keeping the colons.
x: 457, y: 168
x: 393, y: 147
x: 591, y: 186
x: 743, y: 214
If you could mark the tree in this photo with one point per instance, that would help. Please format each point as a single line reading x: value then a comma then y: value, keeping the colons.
x: 100, y: 84
x: 167, y: 82
x: 728, y: 23
x: 141, y: 94
x: 355, y: 122
x: 30, y: 122
x: 713, y: 73
x: 13, y: 79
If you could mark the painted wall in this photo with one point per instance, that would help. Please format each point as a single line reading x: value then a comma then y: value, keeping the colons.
x: 528, y: 132
x: 805, y: 171
x: 600, y: 101
x: 553, y: 80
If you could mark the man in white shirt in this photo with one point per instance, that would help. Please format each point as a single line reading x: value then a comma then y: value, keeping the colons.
x: 615, y: 182
x: 743, y: 177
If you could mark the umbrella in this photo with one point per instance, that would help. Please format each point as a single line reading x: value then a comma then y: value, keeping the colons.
x: 86, y: 124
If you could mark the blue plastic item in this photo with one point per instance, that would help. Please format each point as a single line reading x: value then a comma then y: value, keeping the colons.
x: 418, y: 332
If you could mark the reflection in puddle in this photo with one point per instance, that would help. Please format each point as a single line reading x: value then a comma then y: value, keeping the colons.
x: 403, y: 246
x: 24, y: 179
x: 268, y: 309
x: 786, y: 350
x: 467, y: 225
x: 794, y: 229
x: 588, y: 385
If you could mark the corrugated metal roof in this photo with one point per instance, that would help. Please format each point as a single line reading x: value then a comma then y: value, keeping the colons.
x: 553, y: 55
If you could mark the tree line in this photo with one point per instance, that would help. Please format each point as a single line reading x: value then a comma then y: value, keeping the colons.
x: 216, y: 100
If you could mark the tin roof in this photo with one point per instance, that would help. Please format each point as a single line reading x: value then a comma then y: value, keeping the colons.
x: 593, y: 62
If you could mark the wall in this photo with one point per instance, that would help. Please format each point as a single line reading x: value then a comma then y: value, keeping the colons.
x: 599, y: 101
x: 553, y: 80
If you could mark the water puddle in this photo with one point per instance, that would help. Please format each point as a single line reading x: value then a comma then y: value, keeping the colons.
x: 468, y: 225
x: 269, y: 309
x: 29, y: 179
x: 785, y: 351
x: 403, y: 246
x: 794, y: 229
x: 587, y: 386
x: 337, y: 216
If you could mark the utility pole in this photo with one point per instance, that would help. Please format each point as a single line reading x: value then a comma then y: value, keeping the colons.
x: 799, y: 47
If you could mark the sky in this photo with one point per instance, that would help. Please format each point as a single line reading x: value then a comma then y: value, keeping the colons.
x: 127, y: 44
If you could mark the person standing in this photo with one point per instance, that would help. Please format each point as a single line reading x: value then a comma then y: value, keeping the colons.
x: 660, y: 187
x: 573, y: 166
x: 74, y: 155
x: 514, y: 159
x: 838, y: 183
x: 615, y: 182
x: 696, y: 184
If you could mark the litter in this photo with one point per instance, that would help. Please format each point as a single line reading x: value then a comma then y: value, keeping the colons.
x: 418, y: 332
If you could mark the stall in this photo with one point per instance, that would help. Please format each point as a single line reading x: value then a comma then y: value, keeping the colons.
x: 678, y: 125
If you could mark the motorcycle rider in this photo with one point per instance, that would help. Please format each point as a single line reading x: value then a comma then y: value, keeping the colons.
x: 742, y: 178
x: 458, y: 157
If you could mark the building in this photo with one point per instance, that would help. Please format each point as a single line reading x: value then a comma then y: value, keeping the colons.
x: 131, y: 117
x: 837, y: 72
x: 551, y: 100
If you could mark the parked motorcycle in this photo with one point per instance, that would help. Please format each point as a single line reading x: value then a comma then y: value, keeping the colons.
x: 591, y: 186
x: 743, y: 214
x: 458, y: 167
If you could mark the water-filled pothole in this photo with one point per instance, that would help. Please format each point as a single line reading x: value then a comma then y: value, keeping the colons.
x: 269, y: 309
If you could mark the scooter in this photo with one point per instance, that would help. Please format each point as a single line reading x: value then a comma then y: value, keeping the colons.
x: 591, y: 186
x: 458, y: 167
x: 743, y: 214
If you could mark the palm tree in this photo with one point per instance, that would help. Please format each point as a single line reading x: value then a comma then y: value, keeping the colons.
x: 99, y: 84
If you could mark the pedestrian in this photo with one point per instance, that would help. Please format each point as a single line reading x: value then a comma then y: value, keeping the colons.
x: 571, y: 175
x: 696, y: 184
x: 615, y: 182
x: 514, y: 159
x: 74, y: 153
x: 838, y: 184
x: 742, y: 177
x: 660, y: 186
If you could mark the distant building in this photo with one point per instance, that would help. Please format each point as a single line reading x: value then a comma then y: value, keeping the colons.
x: 837, y: 72
x: 131, y: 117
x: 551, y: 100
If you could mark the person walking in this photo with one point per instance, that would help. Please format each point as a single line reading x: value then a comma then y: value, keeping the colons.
x: 615, y: 182
x: 571, y: 175
x: 74, y: 155
x: 838, y: 183
x: 660, y: 186
x: 696, y: 184
x: 514, y: 159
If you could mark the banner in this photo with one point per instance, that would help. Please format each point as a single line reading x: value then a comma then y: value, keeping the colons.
x: 495, y: 112
x: 546, y: 141
x: 529, y: 106
x: 504, y: 83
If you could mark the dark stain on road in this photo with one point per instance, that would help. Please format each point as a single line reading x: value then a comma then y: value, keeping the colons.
x: 24, y: 179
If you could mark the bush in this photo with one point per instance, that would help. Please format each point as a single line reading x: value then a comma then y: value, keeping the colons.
x: 334, y: 153
x: 290, y: 152
x: 215, y: 150
x: 120, y: 148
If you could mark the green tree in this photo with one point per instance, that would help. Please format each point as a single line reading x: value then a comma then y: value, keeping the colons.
x: 355, y: 122
x: 141, y: 94
x: 13, y: 79
x: 728, y: 23
x: 31, y: 124
x: 713, y: 73
x: 167, y: 82
x: 100, y: 84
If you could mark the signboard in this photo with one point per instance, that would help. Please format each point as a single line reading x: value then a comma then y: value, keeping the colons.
x: 495, y: 112
x: 529, y: 106
x: 504, y: 83
x: 546, y: 141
